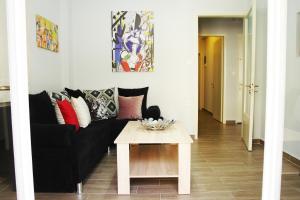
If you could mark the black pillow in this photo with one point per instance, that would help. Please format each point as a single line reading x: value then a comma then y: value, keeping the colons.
x: 75, y: 93
x: 153, y: 112
x: 41, y: 109
x: 136, y: 92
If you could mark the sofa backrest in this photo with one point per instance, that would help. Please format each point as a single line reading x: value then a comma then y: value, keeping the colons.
x: 41, y: 109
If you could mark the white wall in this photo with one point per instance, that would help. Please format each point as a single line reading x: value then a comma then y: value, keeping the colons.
x: 292, y: 112
x: 173, y: 85
x: 47, y: 69
x: 4, y: 72
x: 231, y: 29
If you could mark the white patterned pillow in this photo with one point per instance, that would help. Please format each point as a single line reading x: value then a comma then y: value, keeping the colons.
x: 101, y: 103
x: 82, y: 111
x: 59, y: 115
x: 58, y: 96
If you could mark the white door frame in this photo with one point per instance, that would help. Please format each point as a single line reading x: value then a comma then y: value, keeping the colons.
x: 223, y: 70
x: 275, y: 98
x: 17, y: 53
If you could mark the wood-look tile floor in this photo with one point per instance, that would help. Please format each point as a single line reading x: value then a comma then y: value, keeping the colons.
x: 221, y: 169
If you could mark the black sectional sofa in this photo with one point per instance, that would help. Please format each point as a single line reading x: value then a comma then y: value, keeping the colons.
x: 63, y: 157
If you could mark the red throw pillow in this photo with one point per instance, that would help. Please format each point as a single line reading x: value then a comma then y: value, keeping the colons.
x: 68, y: 113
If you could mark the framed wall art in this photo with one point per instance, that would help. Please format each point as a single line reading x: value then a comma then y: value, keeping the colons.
x: 46, y: 34
x: 132, y: 41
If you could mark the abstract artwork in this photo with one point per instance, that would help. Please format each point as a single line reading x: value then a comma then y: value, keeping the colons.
x: 46, y: 34
x: 132, y: 41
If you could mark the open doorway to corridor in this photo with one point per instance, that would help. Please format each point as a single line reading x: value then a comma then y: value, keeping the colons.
x: 220, y: 66
x: 221, y: 142
x: 221, y: 62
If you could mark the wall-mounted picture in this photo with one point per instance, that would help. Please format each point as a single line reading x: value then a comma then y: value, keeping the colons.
x: 132, y: 41
x: 46, y: 34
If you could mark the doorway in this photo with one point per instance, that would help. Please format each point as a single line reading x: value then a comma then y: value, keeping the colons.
x: 221, y: 65
x: 221, y: 57
x: 211, y: 64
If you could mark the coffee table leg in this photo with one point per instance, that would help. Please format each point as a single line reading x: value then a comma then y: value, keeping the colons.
x: 184, y: 168
x: 123, y: 168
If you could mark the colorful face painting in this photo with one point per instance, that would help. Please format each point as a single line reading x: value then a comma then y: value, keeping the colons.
x: 46, y: 34
x: 132, y: 41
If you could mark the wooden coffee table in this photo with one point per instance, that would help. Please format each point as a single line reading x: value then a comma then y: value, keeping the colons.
x: 145, y: 153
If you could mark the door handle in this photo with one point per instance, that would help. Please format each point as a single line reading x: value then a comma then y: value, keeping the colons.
x: 256, y: 86
x: 252, y: 85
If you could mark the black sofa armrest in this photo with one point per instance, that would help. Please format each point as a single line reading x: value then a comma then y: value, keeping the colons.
x: 54, y: 157
x: 52, y: 135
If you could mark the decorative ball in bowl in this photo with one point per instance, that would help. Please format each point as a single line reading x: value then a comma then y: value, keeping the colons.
x: 160, y: 124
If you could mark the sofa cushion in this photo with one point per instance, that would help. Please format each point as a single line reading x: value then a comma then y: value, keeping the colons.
x: 59, y: 116
x: 136, y: 92
x: 101, y: 103
x: 130, y: 107
x: 75, y: 93
x: 68, y: 113
x: 41, y: 109
x: 153, y: 112
x: 82, y: 111
x: 58, y: 96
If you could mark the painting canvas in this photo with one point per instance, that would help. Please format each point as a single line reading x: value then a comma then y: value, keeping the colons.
x: 132, y: 41
x: 46, y: 34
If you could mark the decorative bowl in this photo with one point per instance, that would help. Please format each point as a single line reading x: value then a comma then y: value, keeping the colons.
x: 160, y: 124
